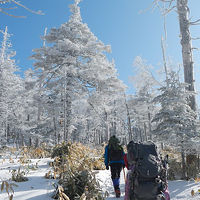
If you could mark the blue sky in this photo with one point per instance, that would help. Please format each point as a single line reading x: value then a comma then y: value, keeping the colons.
x: 119, y: 23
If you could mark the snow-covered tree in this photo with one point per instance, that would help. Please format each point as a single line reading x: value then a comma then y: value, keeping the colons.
x: 175, y: 117
x: 32, y: 106
x: 74, y: 66
x: 176, y: 122
x: 10, y: 90
x: 141, y: 109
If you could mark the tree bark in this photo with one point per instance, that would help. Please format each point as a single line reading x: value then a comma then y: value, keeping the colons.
x: 128, y: 121
x: 67, y: 107
x: 55, y: 131
x: 186, y: 44
x: 183, y: 163
x: 145, y: 132
x: 107, y: 133
x: 30, y: 142
x: 37, y: 143
x: 149, y: 119
x: 140, y: 132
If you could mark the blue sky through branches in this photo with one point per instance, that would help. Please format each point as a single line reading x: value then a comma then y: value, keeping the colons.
x: 131, y: 27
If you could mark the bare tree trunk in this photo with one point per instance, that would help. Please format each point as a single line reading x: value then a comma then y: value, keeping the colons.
x: 164, y: 60
x: 99, y: 134
x: 140, y: 132
x: 162, y: 145
x: 183, y: 163
x: 129, y: 121
x: 55, y: 131
x: 68, y: 116
x: 149, y: 119
x: 64, y: 116
x: 22, y: 140
x: 30, y: 142
x: 186, y: 44
x: 59, y: 138
x: 8, y: 132
x: 39, y: 105
x: 37, y: 143
x: 107, y: 133
x: 95, y: 137
x: 17, y: 141
x: 136, y: 132
x: 145, y: 132
x: 67, y: 106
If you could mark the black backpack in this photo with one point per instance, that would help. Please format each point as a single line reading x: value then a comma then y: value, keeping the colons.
x: 147, y: 180
x: 115, y: 154
x: 115, y: 150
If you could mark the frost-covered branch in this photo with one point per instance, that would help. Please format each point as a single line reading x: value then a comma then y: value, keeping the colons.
x: 195, y: 22
x: 164, y: 10
x: 4, y: 10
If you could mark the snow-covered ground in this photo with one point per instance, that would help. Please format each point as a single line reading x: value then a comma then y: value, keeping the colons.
x: 39, y: 188
x: 36, y: 188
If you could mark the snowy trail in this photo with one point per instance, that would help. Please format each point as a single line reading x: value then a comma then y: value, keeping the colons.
x: 106, y: 184
x: 179, y: 190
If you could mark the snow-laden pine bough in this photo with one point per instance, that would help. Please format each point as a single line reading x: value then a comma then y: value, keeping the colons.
x: 147, y: 174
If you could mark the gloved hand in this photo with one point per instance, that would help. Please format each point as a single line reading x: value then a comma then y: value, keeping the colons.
x: 107, y: 167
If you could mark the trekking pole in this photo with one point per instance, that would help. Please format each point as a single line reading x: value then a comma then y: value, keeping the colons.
x: 124, y: 175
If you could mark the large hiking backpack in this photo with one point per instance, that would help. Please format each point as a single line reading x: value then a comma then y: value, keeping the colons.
x: 147, y: 177
x: 115, y: 154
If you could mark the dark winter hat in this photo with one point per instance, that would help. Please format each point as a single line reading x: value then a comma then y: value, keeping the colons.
x: 113, y: 140
x: 114, y: 143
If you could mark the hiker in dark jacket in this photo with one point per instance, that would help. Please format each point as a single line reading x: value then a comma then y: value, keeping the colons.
x: 113, y: 156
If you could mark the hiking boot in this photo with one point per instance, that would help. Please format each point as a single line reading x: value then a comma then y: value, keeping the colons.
x: 117, y: 192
